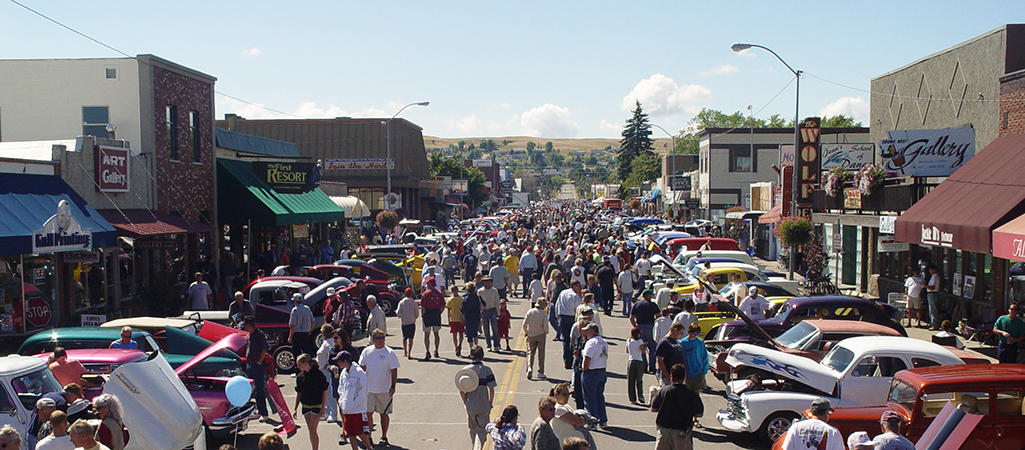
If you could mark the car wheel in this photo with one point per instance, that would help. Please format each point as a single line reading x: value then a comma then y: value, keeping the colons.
x: 284, y: 359
x: 775, y: 426
x: 318, y: 340
x: 385, y: 305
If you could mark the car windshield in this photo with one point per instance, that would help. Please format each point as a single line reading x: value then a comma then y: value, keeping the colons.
x: 784, y: 310
x: 903, y: 393
x: 798, y: 336
x: 838, y: 359
x: 32, y: 386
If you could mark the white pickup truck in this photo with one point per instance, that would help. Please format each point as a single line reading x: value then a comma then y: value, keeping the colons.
x: 856, y: 372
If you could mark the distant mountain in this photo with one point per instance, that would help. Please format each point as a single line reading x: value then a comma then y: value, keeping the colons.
x: 565, y: 146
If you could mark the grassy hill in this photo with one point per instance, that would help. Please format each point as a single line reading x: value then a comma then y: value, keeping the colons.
x: 662, y: 145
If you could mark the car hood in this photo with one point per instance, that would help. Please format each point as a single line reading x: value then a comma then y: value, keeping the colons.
x: 183, y: 343
x: 231, y: 342
x: 141, y: 387
x: 793, y: 367
x: 214, y: 331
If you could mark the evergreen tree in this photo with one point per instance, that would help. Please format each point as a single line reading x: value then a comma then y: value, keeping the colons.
x: 636, y: 141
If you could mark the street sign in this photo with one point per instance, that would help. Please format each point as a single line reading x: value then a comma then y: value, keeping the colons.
x: 507, y: 185
x: 837, y: 242
x: 37, y: 312
x: 680, y: 183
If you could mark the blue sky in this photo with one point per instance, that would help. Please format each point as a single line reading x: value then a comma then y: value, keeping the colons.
x: 537, y: 68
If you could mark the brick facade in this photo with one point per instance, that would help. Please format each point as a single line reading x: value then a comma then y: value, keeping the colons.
x: 1012, y: 103
x: 185, y: 186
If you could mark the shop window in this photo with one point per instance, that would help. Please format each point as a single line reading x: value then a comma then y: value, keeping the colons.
x: 110, y: 73
x: 170, y: 121
x: 95, y: 120
x: 194, y: 135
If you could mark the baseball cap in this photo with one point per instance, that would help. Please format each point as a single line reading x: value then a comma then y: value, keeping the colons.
x: 590, y: 327
x: 859, y: 440
x: 647, y: 292
x: 891, y: 416
x: 821, y: 404
x: 343, y: 355
x: 431, y: 280
x: 46, y: 403
x: 409, y: 292
x: 297, y: 297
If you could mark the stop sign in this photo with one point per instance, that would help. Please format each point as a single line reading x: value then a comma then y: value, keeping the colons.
x: 37, y: 312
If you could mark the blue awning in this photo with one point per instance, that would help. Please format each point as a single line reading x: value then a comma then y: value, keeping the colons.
x: 28, y: 202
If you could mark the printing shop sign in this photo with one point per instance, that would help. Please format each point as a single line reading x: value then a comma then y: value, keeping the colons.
x: 927, y: 153
x: 62, y: 233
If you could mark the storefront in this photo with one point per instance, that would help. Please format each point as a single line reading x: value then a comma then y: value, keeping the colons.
x: 58, y: 256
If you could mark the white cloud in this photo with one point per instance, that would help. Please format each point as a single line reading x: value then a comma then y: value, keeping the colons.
x: 306, y: 110
x: 504, y: 105
x: 855, y: 107
x: 724, y: 69
x: 610, y: 128
x: 660, y: 95
x: 467, y: 126
x: 747, y: 54
x: 255, y: 51
x: 549, y: 120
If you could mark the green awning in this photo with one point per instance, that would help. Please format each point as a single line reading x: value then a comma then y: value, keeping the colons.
x: 244, y: 197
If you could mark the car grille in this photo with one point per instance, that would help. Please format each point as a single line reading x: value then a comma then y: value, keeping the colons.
x: 735, y: 408
x: 241, y: 413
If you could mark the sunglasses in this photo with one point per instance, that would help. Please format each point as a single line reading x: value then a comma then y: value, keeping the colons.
x: 378, y: 338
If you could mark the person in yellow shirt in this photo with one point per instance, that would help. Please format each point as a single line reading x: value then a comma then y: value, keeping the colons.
x: 455, y: 319
x: 512, y: 264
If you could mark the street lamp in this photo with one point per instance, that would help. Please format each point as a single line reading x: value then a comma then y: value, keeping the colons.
x: 387, y: 161
x: 670, y: 156
x: 797, y: 108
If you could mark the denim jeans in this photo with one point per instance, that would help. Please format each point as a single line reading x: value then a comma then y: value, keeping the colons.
x: 934, y: 309
x: 526, y: 276
x: 490, y: 319
x: 593, y: 382
x: 256, y: 372
x: 647, y: 329
x: 553, y: 319
x: 566, y: 325
x: 450, y: 277
x: 628, y: 305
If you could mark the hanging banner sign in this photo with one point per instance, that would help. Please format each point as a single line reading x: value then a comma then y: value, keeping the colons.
x: 62, y: 233
x: 359, y: 164
x: 285, y: 177
x: 927, y: 153
x: 809, y: 161
x: 887, y: 224
x: 848, y: 156
x: 483, y: 163
x: 111, y: 168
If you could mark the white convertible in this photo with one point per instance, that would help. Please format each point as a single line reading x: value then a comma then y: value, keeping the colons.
x: 856, y: 372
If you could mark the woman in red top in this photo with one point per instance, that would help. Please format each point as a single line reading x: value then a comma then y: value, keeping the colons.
x: 504, y: 319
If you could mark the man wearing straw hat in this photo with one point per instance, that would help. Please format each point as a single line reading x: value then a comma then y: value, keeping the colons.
x: 476, y: 384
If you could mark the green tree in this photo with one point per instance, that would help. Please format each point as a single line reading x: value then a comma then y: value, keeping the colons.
x: 453, y: 167
x: 462, y: 145
x: 840, y: 121
x: 645, y: 168
x: 592, y: 160
x: 531, y: 146
x: 549, y: 146
x: 636, y: 141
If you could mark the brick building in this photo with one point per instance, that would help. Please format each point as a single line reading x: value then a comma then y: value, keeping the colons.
x: 1012, y: 103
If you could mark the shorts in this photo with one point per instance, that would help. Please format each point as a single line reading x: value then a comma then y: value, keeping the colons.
x: 380, y: 403
x: 914, y: 302
x: 409, y: 331
x: 503, y: 333
x: 312, y: 409
x: 456, y: 327
x: 430, y: 328
x: 355, y: 424
x: 697, y: 383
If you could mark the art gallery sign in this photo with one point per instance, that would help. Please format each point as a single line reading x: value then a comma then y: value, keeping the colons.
x: 927, y: 153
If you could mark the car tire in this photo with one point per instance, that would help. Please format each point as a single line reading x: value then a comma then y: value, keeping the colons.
x: 386, y: 306
x: 284, y: 359
x: 775, y: 426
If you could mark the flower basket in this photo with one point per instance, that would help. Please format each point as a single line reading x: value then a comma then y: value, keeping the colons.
x: 868, y: 178
x: 387, y: 219
x: 794, y: 231
x: 834, y: 181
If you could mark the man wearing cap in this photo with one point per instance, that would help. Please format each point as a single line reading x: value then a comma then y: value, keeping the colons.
x: 432, y: 304
x: 814, y: 433
x: 40, y: 428
x: 642, y: 316
x: 535, y: 326
x: 677, y: 408
x: 352, y: 400
x: 345, y: 315
x: 300, y: 323
x: 607, y: 282
x: 382, y: 368
x: 669, y: 352
x: 754, y: 305
x: 859, y: 440
x: 527, y: 266
x: 594, y: 375
x: 890, y: 438
x: 240, y: 309
x: 408, y: 311
x: 476, y: 384
x: 500, y: 277
x: 490, y: 299
x: 566, y: 308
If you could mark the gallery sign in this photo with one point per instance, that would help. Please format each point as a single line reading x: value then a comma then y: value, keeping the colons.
x: 809, y: 161
x: 62, y: 233
x: 848, y: 156
x: 360, y: 164
x: 927, y: 153
x: 111, y: 166
x: 285, y: 177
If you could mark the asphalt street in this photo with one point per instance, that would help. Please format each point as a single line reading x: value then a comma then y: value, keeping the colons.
x: 429, y: 414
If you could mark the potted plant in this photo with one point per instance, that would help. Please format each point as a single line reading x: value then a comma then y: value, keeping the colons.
x: 835, y: 180
x: 868, y: 178
x: 794, y: 231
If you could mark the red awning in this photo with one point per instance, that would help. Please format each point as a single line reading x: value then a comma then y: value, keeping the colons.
x: 963, y: 210
x: 147, y: 222
x: 1009, y: 240
x: 773, y: 215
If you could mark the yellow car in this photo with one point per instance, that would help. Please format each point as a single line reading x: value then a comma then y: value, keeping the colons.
x: 413, y: 265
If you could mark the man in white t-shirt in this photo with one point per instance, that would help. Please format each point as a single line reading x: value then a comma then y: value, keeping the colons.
x: 913, y: 296
x: 382, y: 368
x: 58, y: 439
x: 815, y: 432
x: 754, y: 305
x: 662, y: 297
x: 643, y: 268
x: 594, y: 375
x: 200, y: 295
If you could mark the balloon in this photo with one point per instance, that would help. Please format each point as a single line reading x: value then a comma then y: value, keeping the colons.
x: 238, y: 390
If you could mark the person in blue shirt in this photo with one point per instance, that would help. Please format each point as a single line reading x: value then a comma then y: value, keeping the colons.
x: 695, y: 357
x: 126, y: 342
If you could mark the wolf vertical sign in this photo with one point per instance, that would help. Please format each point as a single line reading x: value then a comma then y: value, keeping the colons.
x: 809, y: 161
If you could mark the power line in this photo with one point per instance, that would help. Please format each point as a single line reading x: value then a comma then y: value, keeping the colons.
x: 910, y: 97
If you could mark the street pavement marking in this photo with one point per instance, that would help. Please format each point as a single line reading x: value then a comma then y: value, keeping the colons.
x: 507, y: 390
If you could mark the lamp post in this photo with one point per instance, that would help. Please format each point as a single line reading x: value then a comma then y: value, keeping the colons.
x: 751, y: 165
x: 387, y: 161
x: 797, y: 108
x: 670, y: 156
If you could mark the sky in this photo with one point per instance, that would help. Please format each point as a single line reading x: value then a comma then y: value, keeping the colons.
x: 548, y: 69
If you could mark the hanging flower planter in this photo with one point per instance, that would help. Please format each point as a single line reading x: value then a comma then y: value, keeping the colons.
x: 387, y: 219
x: 794, y: 231
x: 868, y: 178
x: 835, y: 180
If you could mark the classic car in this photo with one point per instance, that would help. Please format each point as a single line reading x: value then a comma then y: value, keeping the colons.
x: 811, y: 339
x: 674, y: 246
x: 918, y: 395
x: 684, y: 256
x: 394, y: 272
x: 855, y: 372
x: 139, y: 385
x: 310, y: 282
x: 98, y: 363
x: 220, y: 417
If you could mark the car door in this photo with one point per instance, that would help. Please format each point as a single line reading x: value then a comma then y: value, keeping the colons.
x: 9, y: 410
x: 867, y: 381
